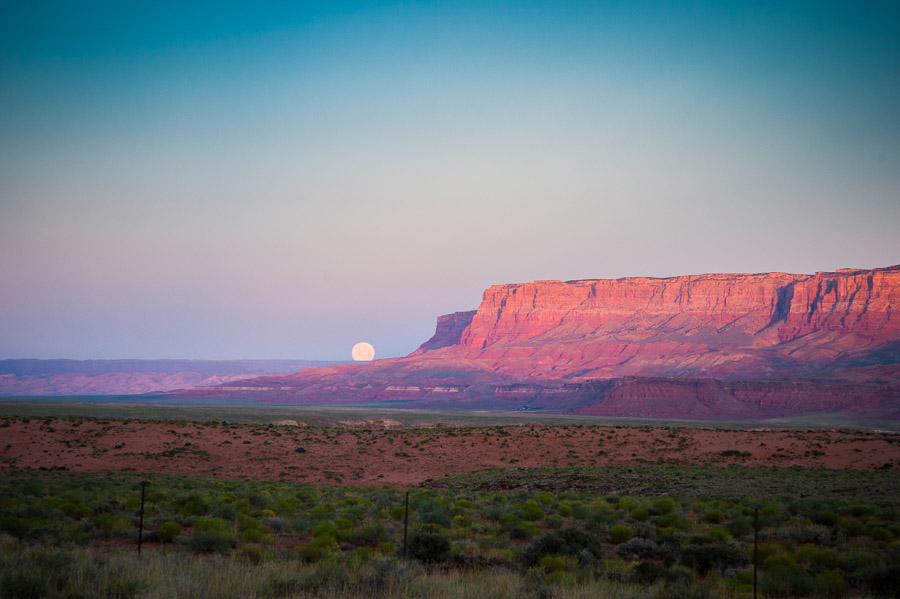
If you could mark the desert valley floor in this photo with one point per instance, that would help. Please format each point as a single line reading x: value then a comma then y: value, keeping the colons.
x: 409, y: 457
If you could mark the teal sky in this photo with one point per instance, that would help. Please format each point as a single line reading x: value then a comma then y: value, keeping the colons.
x: 281, y: 180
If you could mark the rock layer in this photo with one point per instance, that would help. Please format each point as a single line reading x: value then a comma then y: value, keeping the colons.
x: 719, y: 325
x: 704, y: 346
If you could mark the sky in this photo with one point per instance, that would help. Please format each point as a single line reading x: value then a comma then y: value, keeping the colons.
x: 224, y: 180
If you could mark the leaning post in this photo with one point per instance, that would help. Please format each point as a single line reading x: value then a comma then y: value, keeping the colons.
x: 755, y: 545
x: 141, y: 524
x: 405, y: 524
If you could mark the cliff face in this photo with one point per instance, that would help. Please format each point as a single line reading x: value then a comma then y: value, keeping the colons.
x: 859, y: 302
x: 448, y: 331
x: 720, y: 325
x: 706, y: 346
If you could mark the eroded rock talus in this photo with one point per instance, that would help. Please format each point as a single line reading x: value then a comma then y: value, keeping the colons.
x: 700, y: 346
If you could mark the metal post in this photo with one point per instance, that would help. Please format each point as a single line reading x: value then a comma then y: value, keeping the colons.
x: 755, y: 546
x: 141, y: 525
x: 405, y: 524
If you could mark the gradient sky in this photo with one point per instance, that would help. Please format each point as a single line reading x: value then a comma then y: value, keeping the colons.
x: 269, y: 180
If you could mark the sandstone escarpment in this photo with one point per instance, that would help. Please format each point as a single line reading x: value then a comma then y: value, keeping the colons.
x: 703, y: 346
x: 449, y: 329
x: 719, y: 325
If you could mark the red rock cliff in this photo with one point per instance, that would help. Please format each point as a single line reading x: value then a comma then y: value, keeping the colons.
x: 787, y: 345
x: 720, y: 325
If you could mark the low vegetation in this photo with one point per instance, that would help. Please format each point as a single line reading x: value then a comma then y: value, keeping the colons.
x: 516, y: 533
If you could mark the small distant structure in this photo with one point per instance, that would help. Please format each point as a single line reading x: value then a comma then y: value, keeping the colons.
x: 372, y: 423
x: 288, y: 423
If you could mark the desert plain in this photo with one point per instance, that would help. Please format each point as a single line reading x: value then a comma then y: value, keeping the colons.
x: 366, y: 453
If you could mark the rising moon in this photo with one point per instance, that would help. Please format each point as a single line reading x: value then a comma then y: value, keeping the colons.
x: 362, y: 352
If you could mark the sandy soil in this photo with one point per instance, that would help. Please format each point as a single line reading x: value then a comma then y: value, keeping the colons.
x: 407, y: 457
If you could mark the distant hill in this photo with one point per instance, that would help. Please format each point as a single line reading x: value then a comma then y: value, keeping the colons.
x: 28, y: 377
x: 697, y: 346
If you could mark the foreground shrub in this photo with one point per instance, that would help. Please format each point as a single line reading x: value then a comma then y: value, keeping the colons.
x: 664, y: 505
x: 620, y: 534
x: 24, y: 583
x: 318, y: 548
x: 647, y: 572
x: 426, y: 544
x: 167, y: 531
x: 14, y: 525
x: 713, y: 516
x: 568, y: 541
x: 370, y: 535
x: 211, y: 542
x: 704, y: 558
x: 788, y: 580
x: 830, y: 584
x: 634, y: 549
x: 193, y: 504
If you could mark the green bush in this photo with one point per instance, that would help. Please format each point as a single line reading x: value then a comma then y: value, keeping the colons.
x: 852, y: 527
x: 637, y: 548
x: 740, y: 527
x: 664, y: 505
x: 14, y: 526
x: 76, y: 510
x: 211, y: 525
x: 598, y: 520
x: 719, y: 535
x: 254, y: 535
x: 568, y: 541
x: 250, y: 553
x: 426, y: 544
x: 211, y: 542
x: 829, y: 584
x: 193, y: 504
x: 879, y: 533
x: 531, y: 512
x: 713, y: 556
x: 788, y: 580
x: 318, y: 548
x: 647, y: 572
x: 620, y: 534
x: 435, y: 513
x: 826, y: 518
x: 110, y: 524
x: 640, y: 514
x: 370, y: 535
x: 551, y: 563
x: 713, y: 516
x: 167, y: 531
x: 325, y: 529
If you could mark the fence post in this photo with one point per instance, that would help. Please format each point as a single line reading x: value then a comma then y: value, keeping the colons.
x: 755, y: 545
x: 405, y: 524
x: 141, y: 525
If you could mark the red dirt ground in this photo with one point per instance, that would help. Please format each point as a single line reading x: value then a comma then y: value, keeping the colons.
x: 408, y: 457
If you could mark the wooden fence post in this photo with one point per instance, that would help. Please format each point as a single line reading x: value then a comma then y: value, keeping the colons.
x: 141, y: 525
x: 405, y: 524
x: 755, y: 545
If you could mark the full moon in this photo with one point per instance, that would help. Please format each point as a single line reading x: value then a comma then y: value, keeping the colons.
x: 362, y: 352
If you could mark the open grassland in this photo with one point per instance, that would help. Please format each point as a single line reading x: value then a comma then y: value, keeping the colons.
x: 527, y: 510
x: 75, y: 535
